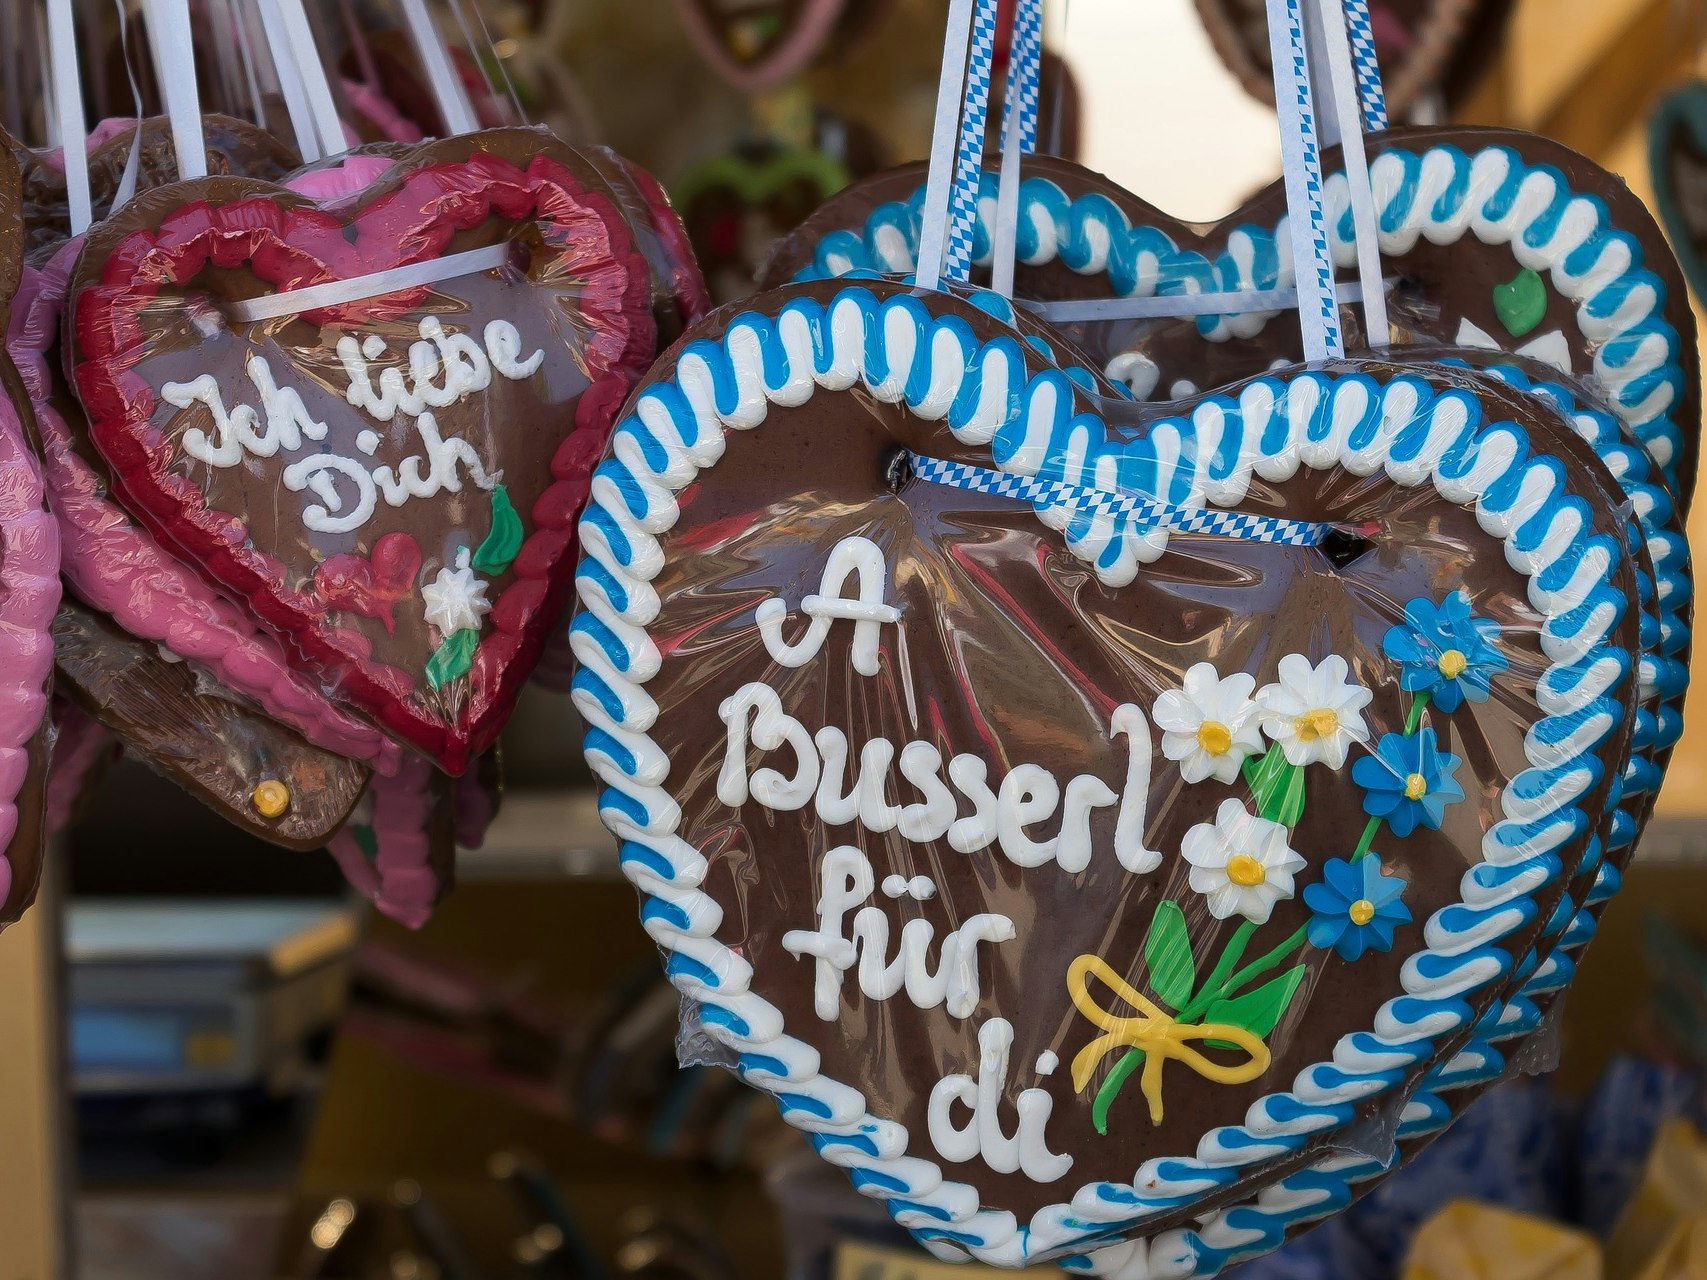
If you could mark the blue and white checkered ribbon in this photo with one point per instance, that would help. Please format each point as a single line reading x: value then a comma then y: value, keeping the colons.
x: 969, y: 153
x: 1301, y: 162
x: 1366, y: 65
x: 1107, y: 502
x: 1019, y: 136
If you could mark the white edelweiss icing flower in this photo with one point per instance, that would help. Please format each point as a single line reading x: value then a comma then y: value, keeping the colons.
x: 456, y: 599
x: 1240, y: 863
x: 1210, y: 725
x: 1314, y: 713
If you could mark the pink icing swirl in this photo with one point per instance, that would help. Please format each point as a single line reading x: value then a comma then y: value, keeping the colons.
x: 81, y: 742
x: 29, y: 596
x: 381, y: 112
x: 114, y: 565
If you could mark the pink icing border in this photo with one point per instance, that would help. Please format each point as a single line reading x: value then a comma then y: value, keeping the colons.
x: 381, y: 112
x: 29, y: 597
x: 400, y: 881
x: 115, y: 566
x: 81, y: 742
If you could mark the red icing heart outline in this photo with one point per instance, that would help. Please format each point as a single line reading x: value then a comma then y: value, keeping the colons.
x: 290, y: 243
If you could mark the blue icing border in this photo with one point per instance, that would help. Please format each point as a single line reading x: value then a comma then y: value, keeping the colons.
x: 1317, y: 1192
x: 988, y: 395
x: 1619, y: 302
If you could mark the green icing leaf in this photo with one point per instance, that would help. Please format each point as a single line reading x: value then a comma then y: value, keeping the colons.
x: 1521, y: 302
x: 454, y: 658
x: 499, y: 550
x: 1277, y: 786
x: 366, y: 840
x: 1257, y: 1011
x: 1167, y: 951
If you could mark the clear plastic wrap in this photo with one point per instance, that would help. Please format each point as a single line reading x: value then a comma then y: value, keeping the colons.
x: 1489, y: 238
x: 387, y: 481
x: 1061, y: 855
x: 29, y: 593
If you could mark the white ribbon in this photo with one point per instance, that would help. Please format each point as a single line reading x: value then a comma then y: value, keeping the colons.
x: 305, y: 54
x: 454, y: 106
x: 1337, y: 54
x: 945, y: 136
x: 290, y: 83
x: 375, y: 284
x: 73, y: 129
x: 170, y: 39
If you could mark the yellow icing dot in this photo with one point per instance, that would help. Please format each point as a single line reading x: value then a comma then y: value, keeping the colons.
x: 1416, y: 786
x: 1362, y: 911
x: 1214, y: 737
x: 271, y: 798
x: 1315, y: 725
x: 1245, y: 871
x: 1452, y: 664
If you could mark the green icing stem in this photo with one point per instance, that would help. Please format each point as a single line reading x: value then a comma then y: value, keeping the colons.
x: 454, y: 657
x: 502, y: 544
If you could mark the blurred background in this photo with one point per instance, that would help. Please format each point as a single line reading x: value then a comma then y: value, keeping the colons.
x: 261, y: 1077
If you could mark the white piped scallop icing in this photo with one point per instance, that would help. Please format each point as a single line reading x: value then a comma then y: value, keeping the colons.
x: 622, y: 542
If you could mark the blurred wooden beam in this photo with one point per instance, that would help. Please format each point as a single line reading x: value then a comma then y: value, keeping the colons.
x: 34, y: 1107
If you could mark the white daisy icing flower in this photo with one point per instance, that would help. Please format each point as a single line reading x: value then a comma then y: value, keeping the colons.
x: 456, y: 599
x: 1314, y: 713
x: 1210, y: 725
x: 1240, y: 863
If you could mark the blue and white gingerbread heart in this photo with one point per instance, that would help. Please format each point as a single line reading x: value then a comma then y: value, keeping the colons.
x: 1489, y: 238
x: 1073, y: 822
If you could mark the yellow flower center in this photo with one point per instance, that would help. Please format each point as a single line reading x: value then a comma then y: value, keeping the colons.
x: 1245, y: 871
x: 1214, y: 737
x: 1416, y: 786
x: 1452, y: 664
x: 1312, y: 726
x: 1362, y: 911
x: 271, y: 798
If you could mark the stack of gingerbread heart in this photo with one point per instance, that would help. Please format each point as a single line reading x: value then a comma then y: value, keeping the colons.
x: 312, y: 439
x: 1120, y: 734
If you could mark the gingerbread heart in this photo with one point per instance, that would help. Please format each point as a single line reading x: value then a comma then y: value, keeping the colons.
x: 465, y: 413
x: 1424, y: 46
x: 1493, y: 238
x: 262, y: 777
x: 83, y: 750
x: 234, y: 147
x: 1152, y: 915
x: 29, y: 592
x: 1677, y: 161
x: 1255, y: 1226
x: 398, y: 848
x: 758, y: 44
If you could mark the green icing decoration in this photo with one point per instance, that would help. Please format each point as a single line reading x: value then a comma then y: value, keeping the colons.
x: 498, y: 552
x: 1521, y: 303
x: 366, y: 840
x: 1167, y: 954
x: 454, y: 658
x: 1257, y: 1011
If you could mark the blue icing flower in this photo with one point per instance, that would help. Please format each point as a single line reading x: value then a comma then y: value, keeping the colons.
x: 1445, y: 651
x: 1355, y: 907
x: 1408, y: 781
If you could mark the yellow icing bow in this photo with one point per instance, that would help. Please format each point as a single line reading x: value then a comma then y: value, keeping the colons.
x: 1157, y: 1033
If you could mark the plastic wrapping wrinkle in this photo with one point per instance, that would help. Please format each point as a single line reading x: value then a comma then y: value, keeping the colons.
x: 1075, y: 813
x: 233, y: 758
x: 389, y: 484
